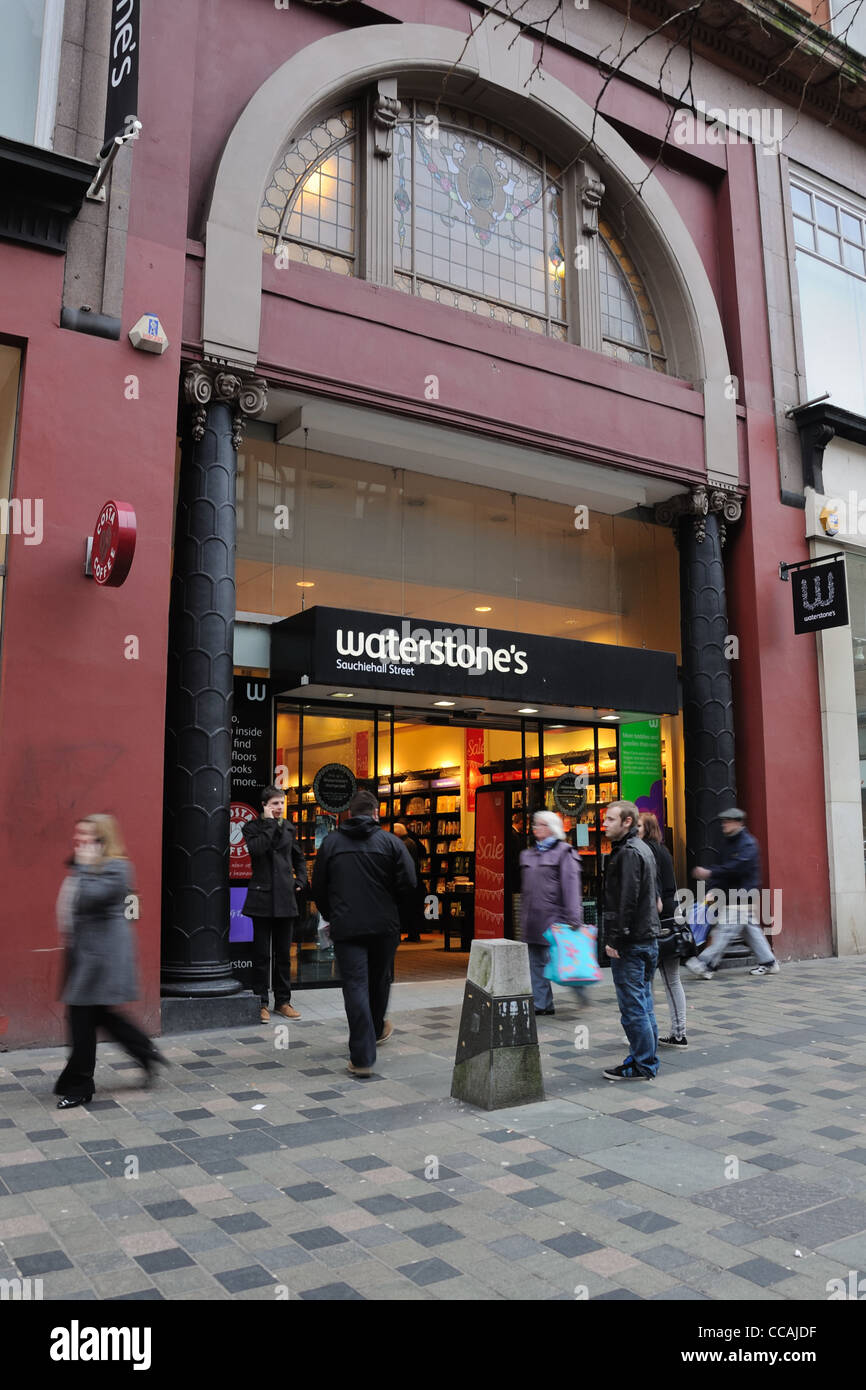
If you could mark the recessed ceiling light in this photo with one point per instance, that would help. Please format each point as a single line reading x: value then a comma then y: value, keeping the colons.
x: 305, y: 584
x: 527, y: 711
x: 610, y: 716
x: 342, y: 695
x: 484, y: 608
x: 441, y: 704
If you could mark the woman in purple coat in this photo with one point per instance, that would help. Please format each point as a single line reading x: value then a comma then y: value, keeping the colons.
x: 550, y: 892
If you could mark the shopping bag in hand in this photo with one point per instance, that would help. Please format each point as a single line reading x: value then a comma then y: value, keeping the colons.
x: 573, y: 958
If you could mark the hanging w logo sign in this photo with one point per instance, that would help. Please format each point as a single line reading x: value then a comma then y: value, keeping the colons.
x: 820, y: 596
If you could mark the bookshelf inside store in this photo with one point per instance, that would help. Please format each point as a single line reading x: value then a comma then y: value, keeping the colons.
x: 429, y: 805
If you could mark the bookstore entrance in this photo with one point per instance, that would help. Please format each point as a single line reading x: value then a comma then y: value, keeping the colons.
x: 462, y: 794
x: 461, y: 733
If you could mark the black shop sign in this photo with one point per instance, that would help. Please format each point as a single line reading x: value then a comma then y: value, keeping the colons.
x: 122, y: 98
x: 251, y: 739
x: 334, y: 786
x: 378, y: 651
x: 569, y: 793
x: 820, y: 595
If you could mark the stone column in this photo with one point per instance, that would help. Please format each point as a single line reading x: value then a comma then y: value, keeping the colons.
x: 700, y: 518
x: 378, y: 230
x: 196, y: 969
x: 583, y: 195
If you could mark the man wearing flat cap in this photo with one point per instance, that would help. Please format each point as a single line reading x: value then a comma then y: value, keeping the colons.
x: 740, y: 869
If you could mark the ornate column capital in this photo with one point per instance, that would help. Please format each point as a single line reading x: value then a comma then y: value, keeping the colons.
x: 384, y: 110
x: 207, y: 383
x: 590, y: 191
x: 698, y: 503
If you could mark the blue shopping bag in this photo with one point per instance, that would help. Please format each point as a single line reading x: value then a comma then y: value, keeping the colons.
x: 573, y: 956
x: 697, y: 920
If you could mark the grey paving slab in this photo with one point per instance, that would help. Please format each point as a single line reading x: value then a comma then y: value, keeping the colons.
x: 592, y: 1134
x: 822, y: 1225
x: 672, y: 1165
x: 761, y: 1271
x: 765, y: 1198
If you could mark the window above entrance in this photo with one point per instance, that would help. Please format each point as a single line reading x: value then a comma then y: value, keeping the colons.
x: 461, y: 212
x: 309, y: 206
x: 479, y: 211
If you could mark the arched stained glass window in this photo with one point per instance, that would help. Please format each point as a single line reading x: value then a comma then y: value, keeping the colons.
x: 309, y: 209
x: 476, y: 223
x: 477, y: 219
x: 629, y: 329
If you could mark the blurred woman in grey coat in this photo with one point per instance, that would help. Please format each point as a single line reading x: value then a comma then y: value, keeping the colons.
x: 550, y: 892
x: 100, y: 957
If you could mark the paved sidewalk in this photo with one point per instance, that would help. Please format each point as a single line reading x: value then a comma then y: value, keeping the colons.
x: 256, y: 1171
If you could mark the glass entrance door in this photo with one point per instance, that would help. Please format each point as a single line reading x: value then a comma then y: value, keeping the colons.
x: 323, y: 753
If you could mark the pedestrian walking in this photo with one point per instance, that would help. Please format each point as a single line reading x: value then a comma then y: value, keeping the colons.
x: 737, y: 877
x: 549, y: 893
x: 666, y: 901
x: 631, y: 928
x: 99, y: 957
x: 361, y: 877
x: 412, y: 910
x: 279, y: 873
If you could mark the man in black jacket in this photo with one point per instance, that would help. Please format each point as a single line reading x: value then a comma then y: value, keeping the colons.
x: 279, y: 870
x: 361, y: 877
x: 738, y: 879
x: 631, y: 928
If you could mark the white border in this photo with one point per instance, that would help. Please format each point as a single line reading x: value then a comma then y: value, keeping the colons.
x: 49, y: 74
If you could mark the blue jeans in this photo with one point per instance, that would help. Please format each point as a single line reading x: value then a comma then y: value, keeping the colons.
x: 539, y: 955
x: 633, y: 981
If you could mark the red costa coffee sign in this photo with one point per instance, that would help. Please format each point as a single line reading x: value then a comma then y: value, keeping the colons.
x: 113, y: 544
x: 240, y: 864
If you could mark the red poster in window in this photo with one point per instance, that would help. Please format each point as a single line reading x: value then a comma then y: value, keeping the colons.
x: 489, y: 864
x: 473, y: 755
x: 362, y: 755
x: 240, y: 864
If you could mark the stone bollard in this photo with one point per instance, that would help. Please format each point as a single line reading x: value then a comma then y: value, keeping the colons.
x: 498, y: 1063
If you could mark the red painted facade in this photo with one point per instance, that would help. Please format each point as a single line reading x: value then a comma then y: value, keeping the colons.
x: 82, y: 726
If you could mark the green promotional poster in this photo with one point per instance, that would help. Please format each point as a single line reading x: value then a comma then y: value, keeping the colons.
x: 641, y: 767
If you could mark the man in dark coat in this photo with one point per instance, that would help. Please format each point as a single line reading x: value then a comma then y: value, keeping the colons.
x: 738, y: 879
x: 279, y: 870
x: 361, y: 877
x: 631, y: 929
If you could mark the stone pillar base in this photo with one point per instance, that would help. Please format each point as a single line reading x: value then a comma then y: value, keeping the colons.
x: 196, y: 1015
x: 498, y: 1080
x: 498, y: 1063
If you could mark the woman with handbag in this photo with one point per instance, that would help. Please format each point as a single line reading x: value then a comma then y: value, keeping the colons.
x: 99, y: 958
x: 550, y: 893
x: 669, y: 941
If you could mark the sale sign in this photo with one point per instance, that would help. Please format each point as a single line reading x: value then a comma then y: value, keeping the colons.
x: 489, y: 864
x: 362, y: 755
x: 474, y: 760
